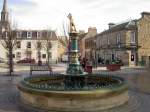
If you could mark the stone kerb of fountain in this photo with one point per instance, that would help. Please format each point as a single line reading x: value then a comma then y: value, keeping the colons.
x: 74, y: 91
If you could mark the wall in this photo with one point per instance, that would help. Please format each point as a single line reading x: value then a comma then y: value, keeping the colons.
x: 33, y: 49
x: 144, y: 37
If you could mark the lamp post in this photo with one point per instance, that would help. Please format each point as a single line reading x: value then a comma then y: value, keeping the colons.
x: 95, y: 57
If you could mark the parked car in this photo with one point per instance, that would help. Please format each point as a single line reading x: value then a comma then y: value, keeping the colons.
x: 2, y: 60
x: 26, y: 60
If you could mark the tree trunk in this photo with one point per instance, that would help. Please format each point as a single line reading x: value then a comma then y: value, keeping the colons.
x: 39, y: 58
x: 48, y: 61
x: 11, y: 67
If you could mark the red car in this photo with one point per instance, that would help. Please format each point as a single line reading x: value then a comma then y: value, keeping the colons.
x: 26, y: 60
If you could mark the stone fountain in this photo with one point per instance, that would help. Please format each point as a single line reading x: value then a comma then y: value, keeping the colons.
x: 75, y: 91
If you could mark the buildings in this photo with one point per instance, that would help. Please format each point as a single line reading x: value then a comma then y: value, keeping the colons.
x: 81, y: 44
x: 86, y: 43
x: 90, y: 44
x: 127, y: 41
x: 119, y: 42
x: 143, y: 25
x: 32, y: 44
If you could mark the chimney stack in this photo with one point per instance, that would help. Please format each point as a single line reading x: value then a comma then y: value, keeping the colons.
x: 111, y: 25
x: 145, y: 14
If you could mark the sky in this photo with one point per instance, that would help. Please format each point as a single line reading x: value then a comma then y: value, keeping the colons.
x: 52, y: 14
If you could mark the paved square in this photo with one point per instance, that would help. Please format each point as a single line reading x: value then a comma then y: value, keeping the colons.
x: 138, y: 80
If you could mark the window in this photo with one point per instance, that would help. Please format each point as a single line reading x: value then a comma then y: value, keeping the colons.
x: 29, y: 34
x: 34, y: 34
x: 108, y: 41
x: 29, y: 45
x: 133, y: 37
x: 18, y: 55
x: 19, y: 34
x: 44, y: 34
x: 118, y: 38
x: 24, y: 34
x: 43, y: 56
x: 38, y: 34
x: 13, y: 55
x: 18, y: 44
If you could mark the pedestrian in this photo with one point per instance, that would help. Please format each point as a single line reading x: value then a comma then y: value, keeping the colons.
x: 83, y: 63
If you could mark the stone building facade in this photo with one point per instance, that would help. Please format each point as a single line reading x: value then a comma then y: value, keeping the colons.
x: 81, y: 44
x: 90, y: 44
x: 143, y: 25
x: 119, y: 42
x: 85, y: 41
x: 128, y: 41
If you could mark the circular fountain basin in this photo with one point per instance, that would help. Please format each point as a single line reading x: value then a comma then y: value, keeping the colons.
x: 50, y: 93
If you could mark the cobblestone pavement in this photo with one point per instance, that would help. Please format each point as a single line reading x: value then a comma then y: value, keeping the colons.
x: 138, y: 79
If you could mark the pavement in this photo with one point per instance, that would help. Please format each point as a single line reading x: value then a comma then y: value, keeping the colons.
x: 138, y: 79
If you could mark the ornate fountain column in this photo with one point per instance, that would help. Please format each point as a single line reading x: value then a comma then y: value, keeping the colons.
x: 74, y: 67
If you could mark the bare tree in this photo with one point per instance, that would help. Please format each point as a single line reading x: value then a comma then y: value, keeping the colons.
x: 38, y: 46
x: 9, y: 41
x: 47, y: 45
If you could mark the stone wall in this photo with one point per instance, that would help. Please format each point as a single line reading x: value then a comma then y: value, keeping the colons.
x: 106, y: 49
x: 144, y: 38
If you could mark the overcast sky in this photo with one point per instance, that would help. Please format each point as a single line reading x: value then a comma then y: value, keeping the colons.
x: 39, y: 14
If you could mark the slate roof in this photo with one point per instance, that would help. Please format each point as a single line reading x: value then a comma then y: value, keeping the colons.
x: 44, y: 34
x: 122, y: 26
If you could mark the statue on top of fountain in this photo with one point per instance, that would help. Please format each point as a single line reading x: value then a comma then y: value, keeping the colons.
x: 72, y: 25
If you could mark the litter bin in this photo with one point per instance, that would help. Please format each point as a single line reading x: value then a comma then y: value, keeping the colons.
x: 88, y: 68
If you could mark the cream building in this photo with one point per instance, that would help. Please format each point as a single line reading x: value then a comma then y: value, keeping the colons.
x: 29, y: 40
x: 27, y: 46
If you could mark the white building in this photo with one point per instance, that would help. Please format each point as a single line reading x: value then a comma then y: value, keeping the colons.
x: 28, y: 42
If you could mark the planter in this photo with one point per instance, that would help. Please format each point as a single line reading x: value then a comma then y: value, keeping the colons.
x: 113, y: 67
x: 88, y: 69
